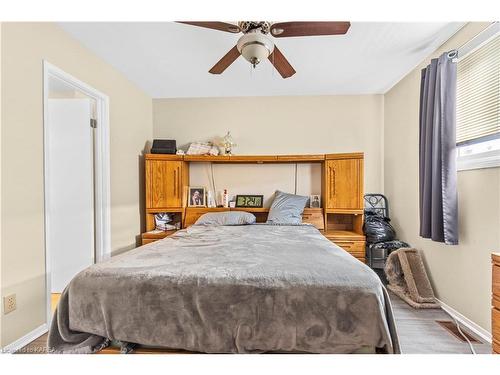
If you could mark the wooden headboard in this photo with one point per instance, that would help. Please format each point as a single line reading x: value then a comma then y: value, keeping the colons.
x: 167, y: 182
x: 312, y: 216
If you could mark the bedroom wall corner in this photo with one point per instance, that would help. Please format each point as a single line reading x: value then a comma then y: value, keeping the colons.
x: 24, y: 47
x: 461, y: 275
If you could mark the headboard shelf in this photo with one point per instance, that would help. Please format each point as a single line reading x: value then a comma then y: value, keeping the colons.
x: 171, y: 157
x: 250, y: 209
x: 315, y: 158
x: 247, y: 209
x: 301, y: 158
x: 164, y: 209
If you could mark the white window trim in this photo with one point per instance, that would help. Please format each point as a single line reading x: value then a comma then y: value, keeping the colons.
x: 479, y: 40
x: 489, y: 159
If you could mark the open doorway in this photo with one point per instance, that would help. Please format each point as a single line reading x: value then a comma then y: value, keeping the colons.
x: 76, y: 169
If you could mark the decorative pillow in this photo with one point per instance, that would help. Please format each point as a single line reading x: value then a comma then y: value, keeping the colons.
x: 226, y: 218
x: 286, y: 208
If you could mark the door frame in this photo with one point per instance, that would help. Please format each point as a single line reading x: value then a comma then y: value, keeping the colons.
x: 102, y: 193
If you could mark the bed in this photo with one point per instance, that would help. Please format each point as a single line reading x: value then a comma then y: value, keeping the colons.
x: 229, y: 289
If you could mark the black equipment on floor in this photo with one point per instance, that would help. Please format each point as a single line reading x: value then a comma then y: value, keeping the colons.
x: 380, y: 235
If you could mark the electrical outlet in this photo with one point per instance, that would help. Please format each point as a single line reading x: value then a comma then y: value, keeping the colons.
x: 9, y: 303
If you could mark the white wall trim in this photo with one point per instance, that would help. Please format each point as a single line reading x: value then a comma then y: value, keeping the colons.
x: 102, y: 170
x: 26, y: 339
x: 466, y: 322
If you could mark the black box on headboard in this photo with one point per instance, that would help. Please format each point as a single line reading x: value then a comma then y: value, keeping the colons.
x: 164, y: 146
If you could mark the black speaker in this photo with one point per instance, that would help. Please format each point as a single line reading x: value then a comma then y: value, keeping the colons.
x: 164, y: 146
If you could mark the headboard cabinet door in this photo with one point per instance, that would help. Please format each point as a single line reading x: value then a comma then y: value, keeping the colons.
x: 344, y: 184
x: 164, y: 183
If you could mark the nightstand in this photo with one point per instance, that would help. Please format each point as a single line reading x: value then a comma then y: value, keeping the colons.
x: 352, y: 242
x: 155, y: 235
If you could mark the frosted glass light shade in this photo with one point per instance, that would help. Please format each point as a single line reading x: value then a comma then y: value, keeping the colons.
x: 255, y: 47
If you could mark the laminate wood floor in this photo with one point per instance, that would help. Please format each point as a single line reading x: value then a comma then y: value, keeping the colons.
x: 418, y: 331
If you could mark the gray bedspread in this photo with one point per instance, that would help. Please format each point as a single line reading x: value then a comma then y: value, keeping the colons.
x: 239, y: 289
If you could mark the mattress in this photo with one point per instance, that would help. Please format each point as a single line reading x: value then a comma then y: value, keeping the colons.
x: 228, y: 289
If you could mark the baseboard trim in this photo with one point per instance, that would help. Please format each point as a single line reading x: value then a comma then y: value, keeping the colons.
x: 26, y: 339
x: 466, y: 322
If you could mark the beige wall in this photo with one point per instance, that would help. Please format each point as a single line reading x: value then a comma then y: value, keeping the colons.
x: 280, y: 125
x: 24, y: 46
x: 461, y: 275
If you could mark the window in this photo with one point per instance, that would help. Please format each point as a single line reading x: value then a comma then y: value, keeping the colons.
x: 478, y: 101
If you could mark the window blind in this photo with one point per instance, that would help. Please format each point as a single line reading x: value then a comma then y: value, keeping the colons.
x: 478, y: 90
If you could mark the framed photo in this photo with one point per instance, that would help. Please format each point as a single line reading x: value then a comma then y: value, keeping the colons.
x: 256, y: 201
x: 314, y: 201
x: 196, y: 197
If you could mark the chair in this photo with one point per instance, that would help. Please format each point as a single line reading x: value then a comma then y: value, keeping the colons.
x: 377, y: 203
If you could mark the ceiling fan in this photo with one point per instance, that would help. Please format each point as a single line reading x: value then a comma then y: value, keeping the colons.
x: 256, y: 44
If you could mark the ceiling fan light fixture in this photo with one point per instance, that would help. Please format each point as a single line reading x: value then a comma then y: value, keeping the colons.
x: 255, y: 47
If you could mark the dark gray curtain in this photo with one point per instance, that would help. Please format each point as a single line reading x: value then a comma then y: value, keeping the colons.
x: 437, y: 159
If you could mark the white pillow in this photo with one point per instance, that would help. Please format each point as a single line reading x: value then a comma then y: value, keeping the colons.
x: 226, y: 218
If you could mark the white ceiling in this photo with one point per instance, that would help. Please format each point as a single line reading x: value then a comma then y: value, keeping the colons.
x: 170, y: 60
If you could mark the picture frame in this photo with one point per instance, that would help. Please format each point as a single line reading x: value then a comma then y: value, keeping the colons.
x: 196, y: 196
x: 249, y: 201
x: 314, y: 201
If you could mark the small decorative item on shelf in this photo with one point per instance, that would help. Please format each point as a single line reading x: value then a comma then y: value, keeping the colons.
x: 202, y: 148
x: 225, y: 199
x: 196, y: 197
x: 255, y: 201
x: 214, y: 151
x: 314, y: 201
x: 163, y: 221
x: 211, y: 199
x: 232, y: 204
x: 219, y: 198
x: 199, y: 148
x: 228, y: 143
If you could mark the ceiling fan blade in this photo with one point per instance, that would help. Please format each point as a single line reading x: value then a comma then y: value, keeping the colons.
x: 215, y: 25
x: 226, y: 60
x: 281, y: 63
x: 299, y: 28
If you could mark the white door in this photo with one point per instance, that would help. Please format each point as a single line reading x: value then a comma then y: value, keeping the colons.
x: 70, y: 189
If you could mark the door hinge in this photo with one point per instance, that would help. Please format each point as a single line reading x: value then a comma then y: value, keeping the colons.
x: 93, y: 123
